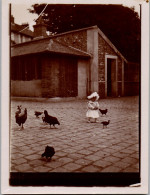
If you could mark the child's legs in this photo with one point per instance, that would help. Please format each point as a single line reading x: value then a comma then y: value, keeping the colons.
x: 89, y: 119
x: 95, y: 120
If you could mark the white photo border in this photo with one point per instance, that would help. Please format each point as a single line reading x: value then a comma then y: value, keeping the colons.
x: 141, y: 188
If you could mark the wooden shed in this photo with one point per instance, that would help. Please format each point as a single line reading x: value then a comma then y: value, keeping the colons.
x: 71, y: 64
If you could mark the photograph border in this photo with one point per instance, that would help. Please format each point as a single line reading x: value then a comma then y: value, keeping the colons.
x: 138, y: 188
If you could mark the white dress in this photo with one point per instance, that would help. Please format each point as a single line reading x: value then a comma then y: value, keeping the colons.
x: 93, y: 109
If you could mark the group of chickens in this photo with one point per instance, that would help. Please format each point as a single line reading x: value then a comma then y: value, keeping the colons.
x: 21, y: 117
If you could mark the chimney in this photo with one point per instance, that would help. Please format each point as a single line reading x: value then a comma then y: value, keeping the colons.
x: 40, y: 28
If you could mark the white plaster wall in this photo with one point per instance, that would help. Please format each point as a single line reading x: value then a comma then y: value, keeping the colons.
x: 26, y: 88
x: 82, y: 78
x: 92, y: 48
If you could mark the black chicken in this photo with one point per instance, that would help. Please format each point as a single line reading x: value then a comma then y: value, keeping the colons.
x: 50, y: 119
x: 21, y: 118
x: 37, y: 113
x: 18, y: 110
x: 103, y: 111
x: 105, y: 123
x: 49, y: 152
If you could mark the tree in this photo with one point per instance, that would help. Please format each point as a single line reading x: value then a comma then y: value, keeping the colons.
x: 120, y: 24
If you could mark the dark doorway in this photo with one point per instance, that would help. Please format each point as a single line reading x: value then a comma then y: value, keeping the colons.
x: 111, y: 77
x: 68, y: 76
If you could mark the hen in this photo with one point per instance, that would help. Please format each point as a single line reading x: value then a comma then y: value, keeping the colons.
x: 105, y: 123
x: 49, y: 152
x: 18, y: 110
x: 21, y: 118
x: 50, y: 119
x: 37, y: 113
x: 103, y: 111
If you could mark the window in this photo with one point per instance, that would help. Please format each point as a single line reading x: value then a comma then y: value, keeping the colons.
x: 25, y: 68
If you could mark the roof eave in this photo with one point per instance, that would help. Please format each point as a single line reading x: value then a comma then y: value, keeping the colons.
x: 111, y: 45
x: 53, y: 52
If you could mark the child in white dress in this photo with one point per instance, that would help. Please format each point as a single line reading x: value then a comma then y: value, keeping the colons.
x: 93, y: 107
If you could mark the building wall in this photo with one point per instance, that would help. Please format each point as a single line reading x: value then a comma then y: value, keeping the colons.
x: 19, y: 38
x: 26, y: 88
x: 92, y: 42
x: 50, y: 80
x: 75, y: 39
x: 92, y: 48
x: 132, y: 79
x: 103, y: 50
x: 59, y: 76
x: 83, y: 77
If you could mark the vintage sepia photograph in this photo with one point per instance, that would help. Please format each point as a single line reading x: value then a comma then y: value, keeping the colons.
x: 75, y: 94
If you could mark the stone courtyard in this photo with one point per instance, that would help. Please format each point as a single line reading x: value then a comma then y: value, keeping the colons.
x: 79, y: 146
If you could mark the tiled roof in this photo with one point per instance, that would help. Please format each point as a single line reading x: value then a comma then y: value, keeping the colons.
x: 45, y: 45
x: 17, y: 28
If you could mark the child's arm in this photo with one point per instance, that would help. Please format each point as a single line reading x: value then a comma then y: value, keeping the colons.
x: 90, y: 106
x: 96, y: 106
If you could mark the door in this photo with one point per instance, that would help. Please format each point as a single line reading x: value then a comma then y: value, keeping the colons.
x: 111, y: 77
x: 68, y: 77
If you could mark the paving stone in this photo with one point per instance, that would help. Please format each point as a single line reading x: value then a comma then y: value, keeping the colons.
x: 19, y: 161
x: 128, y: 151
x: 64, y: 160
x: 84, y: 152
x: 102, y: 163
x: 91, y: 168
x: 129, y: 160
x: 109, y: 150
x: 37, y: 162
x: 24, y: 168
x: 60, y: 169
x: 83, y: 162
x: 72, y: 166
x: 134, y: 155
x: 120, y: 155
x: 75, y: 156
x: 77, y: 142
x: 27, y: 152
x: 92, y: 157
x: 60, y: 153
x: 111, y: 159
x: 16, y: 156
x: 131, y: 170
x: 53, y: 164
x: 121, y: 164
x: 111, y: 169
x: 32, y: 157
x: 42, y: 169
x: 101, y: 153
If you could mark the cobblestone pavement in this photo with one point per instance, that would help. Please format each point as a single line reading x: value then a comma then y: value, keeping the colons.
x: 79, y: 146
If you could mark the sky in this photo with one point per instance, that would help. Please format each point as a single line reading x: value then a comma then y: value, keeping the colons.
x: 22, y: 15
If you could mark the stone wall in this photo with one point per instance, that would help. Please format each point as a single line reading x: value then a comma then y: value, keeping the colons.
x: 75, y: 39
x: 105, y: 49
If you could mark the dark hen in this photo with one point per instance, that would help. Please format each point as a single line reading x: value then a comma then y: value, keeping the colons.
x: 103, y: 111
x: 18, y: 110
x: 37, y: 113
x: 105, y: 123
x: 49, y: 152
x: 50, y: 119
x: 21, y: 118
